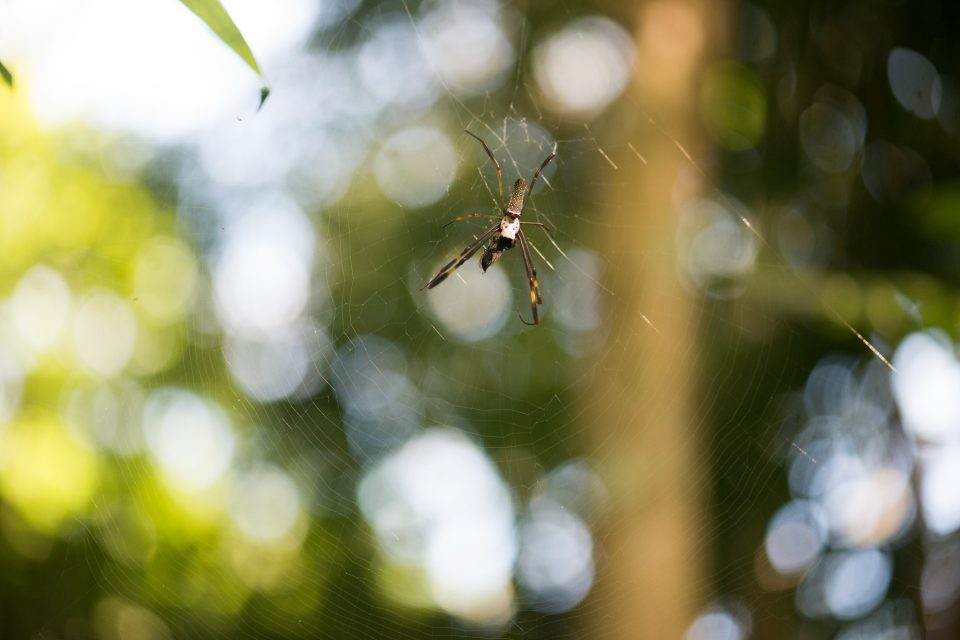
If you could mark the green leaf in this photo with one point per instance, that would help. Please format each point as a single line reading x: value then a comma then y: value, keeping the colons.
x: 733, y: 105
x: 6, y: 75
x: 217, y: 18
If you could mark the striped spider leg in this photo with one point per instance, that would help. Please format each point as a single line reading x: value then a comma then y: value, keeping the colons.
x: 504, y: 235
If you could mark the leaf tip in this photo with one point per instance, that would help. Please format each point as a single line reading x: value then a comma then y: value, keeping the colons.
x: 6, y: 75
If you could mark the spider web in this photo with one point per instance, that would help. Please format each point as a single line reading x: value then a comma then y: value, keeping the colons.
x: 383, y: 461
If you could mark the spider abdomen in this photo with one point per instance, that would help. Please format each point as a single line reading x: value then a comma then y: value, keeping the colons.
x: 494, y: 250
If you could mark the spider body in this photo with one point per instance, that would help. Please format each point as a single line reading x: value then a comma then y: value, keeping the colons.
x: 506, y: 238
x: 504, y: 235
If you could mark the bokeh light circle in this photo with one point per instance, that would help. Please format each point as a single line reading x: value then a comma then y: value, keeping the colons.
x: 583, y: 67
x: 414, y: 167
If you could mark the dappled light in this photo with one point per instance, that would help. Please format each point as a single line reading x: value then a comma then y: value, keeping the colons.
x: 796, y: 536
x: 475, y: 305
x: 693, y: 374
x: 262, y: 274
x: 40, y: 306
x: 264, y: 503
x: 369, y: 376
x: 582, y: 68
x: 846, y: 584
x: 579, y: 300
x: 143, y: 88
x: 107, y: 416
x: 280, y: 365
x: 718, y: 623
x: 414, y: 166
x: 716, y: 248
x: 833, y: 129
x: 115, y: 619
x: 929, y: 374
x: 439, y: 504
x: 915, y: 82
x: 556, y: 557
x: 164, y: 276
x: 466, y: 45
x: 104, y: 333
x: 46, y: 475
x: 393, y: 69
x: 189, y: 437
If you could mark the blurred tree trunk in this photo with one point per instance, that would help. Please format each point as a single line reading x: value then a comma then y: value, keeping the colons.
x: 646, y: 435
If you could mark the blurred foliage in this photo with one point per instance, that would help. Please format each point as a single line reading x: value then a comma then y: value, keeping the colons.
x: 733, y: 105
x: 84, y: 221
x: 885, y: 260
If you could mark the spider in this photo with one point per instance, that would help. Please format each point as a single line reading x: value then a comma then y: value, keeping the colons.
x: 504, y: 234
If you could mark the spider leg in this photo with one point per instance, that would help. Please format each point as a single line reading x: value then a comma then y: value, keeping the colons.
x: 495, y: 163
x: 546, y: 228
x: 531, y: 267
x: 535, y: 298
x: 465, y: 255
x: 543, y: 166
x: 467, y: 217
